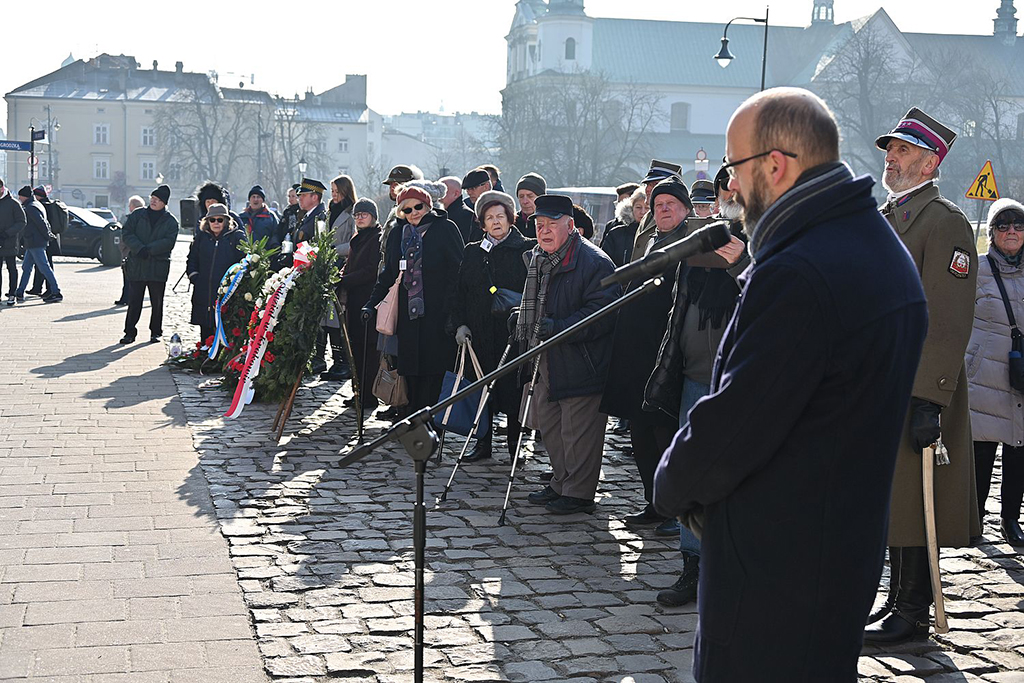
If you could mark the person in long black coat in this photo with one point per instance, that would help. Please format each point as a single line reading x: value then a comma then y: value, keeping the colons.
x: 787, y: 466
x: 495, y: 262
x: 638, y: 332
x: 214, y: 249
x: 425, y: 350
x: 358, y: 278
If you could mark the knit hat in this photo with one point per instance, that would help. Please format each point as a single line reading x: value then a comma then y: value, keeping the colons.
x: 534, y: 182
x: 256, y: 189
x: 410, y: 192
x: 25, y: 192
x: 40, y: 192
x: 1000, y: 206
x: 365, y: 205
x: 477, y: 176
x: 436, y: 190
x: 676, y: 188
x: 492, y: 197
x: 163, y: 193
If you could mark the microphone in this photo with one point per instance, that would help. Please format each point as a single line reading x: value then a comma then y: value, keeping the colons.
x: 707, y: 239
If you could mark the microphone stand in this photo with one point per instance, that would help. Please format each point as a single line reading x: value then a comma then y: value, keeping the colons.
x: 417, y: 436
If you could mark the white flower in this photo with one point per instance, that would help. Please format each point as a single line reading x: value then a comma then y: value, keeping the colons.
x: 259, y: 302
x: 255, y: 258
x: 248, y: 296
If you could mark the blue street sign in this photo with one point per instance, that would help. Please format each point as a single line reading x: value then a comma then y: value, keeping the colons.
x: 15, y: 146
x: 38, y: 135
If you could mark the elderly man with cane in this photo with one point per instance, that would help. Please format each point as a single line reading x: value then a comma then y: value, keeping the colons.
x: 785, y: 467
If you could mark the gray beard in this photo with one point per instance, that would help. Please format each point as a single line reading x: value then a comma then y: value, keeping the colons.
x: 731, y: 211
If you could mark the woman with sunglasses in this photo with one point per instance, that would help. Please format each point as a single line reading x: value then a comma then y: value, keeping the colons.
x: 996, y: 413
x: 423, y: 250
x: 214, y: 249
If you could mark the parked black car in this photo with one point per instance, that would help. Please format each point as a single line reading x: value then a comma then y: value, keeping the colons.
x: 84, y: 235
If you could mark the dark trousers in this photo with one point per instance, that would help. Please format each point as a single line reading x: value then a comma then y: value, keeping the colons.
x: 337, y: 352
x: 650, y: 437
x: 124, y: 285
x: 423, y: 391
x: 11, y: 263
x: 1012, y: 490
x: 38, y: 281
x: 136, y: 292
x: 205, y: 332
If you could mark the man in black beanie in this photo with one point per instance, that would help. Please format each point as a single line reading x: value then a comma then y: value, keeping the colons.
x: 529, y: 187
x: 150, y: 236
x: 258, y: 221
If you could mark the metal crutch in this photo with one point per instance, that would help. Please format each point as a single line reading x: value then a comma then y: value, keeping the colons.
x: 484, y: 397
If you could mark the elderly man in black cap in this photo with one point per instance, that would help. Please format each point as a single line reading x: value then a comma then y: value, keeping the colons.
x: 475, y: 184
x: 150, y: 234
x: 660, y: 170
x: 564, y: 272
x: 940, y: 240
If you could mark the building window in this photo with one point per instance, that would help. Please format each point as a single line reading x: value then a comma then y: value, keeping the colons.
x: 343, y: 146
x: 147, y: 170
x: 680, y: 116
x: 101, y: 134
x: 369, y: 125
x: 101, y: 168
x: 969, y: 128
x: 174, y: 172
x: 102, y: 201
x: 570, y: 49
x: 148, y: 136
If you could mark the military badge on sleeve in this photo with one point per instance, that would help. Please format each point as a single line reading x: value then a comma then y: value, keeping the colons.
x: 960, y: 265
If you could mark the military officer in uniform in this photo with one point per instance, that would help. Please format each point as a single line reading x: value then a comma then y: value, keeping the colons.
x: 311, y: 203
x: 940, y: 240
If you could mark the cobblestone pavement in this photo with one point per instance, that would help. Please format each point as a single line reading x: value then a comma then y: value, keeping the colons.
x: 111, y: 569
x: 324, y: 561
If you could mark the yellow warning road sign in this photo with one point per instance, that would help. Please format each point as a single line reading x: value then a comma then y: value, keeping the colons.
x: 984, y: 186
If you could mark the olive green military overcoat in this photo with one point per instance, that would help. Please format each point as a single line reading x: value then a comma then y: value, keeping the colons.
x: 940, y: 240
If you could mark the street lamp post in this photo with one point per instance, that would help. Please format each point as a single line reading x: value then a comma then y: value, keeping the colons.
x: 52, y: 126
x: 302, y: 166
x: 725, y: 57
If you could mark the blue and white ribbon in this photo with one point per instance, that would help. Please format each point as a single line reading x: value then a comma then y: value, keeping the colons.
x: 232, y: 279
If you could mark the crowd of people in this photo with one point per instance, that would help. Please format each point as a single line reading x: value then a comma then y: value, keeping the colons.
x: 782, y: 394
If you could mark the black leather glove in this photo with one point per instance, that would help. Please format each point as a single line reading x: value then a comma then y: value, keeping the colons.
x: 144, y: 252
x: 924, y: 423
x: 513, y: 320
x: 545, y: 329
x: 367, y: 311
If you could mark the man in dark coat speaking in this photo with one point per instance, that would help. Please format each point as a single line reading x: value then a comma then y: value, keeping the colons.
x: 786, y: 467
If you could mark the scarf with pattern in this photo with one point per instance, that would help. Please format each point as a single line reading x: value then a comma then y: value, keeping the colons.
x: 538, y: 276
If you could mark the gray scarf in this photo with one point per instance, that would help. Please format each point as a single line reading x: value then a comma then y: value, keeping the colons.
x: 538, y: 275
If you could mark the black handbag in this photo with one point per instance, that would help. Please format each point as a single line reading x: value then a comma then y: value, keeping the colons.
x: 504, y: 300
x: 1016, y: 337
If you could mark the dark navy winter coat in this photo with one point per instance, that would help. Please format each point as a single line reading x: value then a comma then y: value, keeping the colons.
x: 579, y: 366
x: 260, y: 225
x: 209, y: 258
x: 791, y: 457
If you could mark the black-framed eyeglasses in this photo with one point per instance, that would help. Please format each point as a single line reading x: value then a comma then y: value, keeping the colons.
x: 409, y: 209
x: 216, y: 220
x: 1003, y: 227
x: 730, y: 166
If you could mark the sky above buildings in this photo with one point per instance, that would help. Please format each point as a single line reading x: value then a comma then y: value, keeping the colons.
x: 417, y: 55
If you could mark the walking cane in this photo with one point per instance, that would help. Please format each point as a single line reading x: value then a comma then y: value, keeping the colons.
x: 484, y: 397
x: 928, y: 459
x: 342, y: 318
x: 519, y: 441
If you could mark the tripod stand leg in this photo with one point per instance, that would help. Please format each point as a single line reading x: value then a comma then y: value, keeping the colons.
x: 288, y: 405
x: 519, y: 445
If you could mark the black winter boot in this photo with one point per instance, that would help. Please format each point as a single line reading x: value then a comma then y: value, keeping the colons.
x: 894, y: 587
x: 481, y: 449
x: 909, y: 618
x: 684, y: 590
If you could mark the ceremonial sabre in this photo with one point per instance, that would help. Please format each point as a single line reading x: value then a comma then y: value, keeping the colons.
x: 931, y: 538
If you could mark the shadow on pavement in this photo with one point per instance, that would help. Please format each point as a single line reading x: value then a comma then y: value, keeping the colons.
x: 76, y: 317
x: 89, y: 361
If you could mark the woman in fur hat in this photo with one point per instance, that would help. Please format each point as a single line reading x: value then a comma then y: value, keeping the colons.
x: 996, y: 415
x: 213, y: 251
x: 493, y: 264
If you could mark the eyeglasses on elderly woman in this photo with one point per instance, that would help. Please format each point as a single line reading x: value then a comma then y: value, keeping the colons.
x: 415, y: 207
x: 217, y: 220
